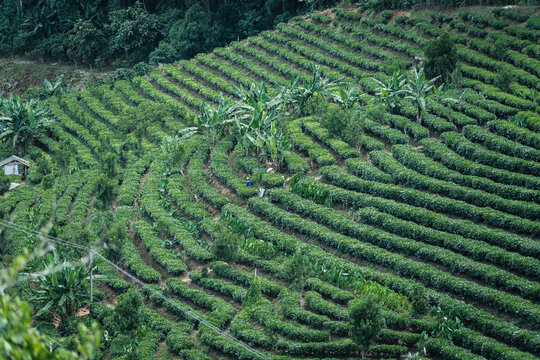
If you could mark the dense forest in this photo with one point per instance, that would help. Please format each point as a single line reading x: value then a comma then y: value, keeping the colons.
x: 123, y: 33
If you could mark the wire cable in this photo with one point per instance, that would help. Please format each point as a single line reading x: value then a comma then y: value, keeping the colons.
x: 188, y: 313
x: 29, y: 231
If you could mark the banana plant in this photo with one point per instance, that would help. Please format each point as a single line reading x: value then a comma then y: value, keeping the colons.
x: 418, y: 89
x: 51, y: 89
x: 347, y: 97
x: 42, y: 19
x: 173, y: 146
x: 391, y: 92
x: 252, y: 129
x: 448, y: 321
x: 21, y: 122
x: 61, y: 287
x: 278, y: 145
x: 215, y: 122
x: 317, y: 85
x: 257, y: 94
x: 440, y: 94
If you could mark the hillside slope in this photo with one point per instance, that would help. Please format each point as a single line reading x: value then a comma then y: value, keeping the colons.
x: 452, y: 205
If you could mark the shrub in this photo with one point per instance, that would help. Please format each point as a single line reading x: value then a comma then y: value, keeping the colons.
x: 46, y: 183
x: 126, y: 312
x: 109, y: 164
x: 43, y: 167
x: 316, y: 105
x: 193, y: 34
x: 179, y: 340
x: 4, y: 184
x: 134, y: 33
x: 253, y: 295
x: 366, y: 321
x: 164, y: 53
x: 499, y: 49
x: 225, y: 244
x: 297, y: 269
x: 335, y: 119
x: 441, y: 56
x: 420, y: 304
x: 85, y: 42
x: 504, y: 78
x: 106, y: 189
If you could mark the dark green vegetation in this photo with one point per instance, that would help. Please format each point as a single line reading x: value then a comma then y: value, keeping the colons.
x: 409, y: 219
x: 124, y: 33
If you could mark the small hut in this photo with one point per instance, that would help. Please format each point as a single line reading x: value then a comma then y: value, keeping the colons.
x: 14, y: 165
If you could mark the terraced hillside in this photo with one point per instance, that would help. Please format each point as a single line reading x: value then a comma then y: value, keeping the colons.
x: 452, y: 204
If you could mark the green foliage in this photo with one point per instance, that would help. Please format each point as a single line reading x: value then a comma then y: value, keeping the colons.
x: 23, y: 122
x: 396, y: 64
x: 126, y: 312
x: 108, y: 164
x: 225, y: 244
x: 173, y: 146
x: 86, y: 42
x: 53, y: 89
x: 366, y: 321
x: 256, y: 125
x: 4, y: 184
x: 448, y: 322
x: 418, y: 89
x: 347, y: 97
x: 298, y: 95
x: 317, y: 105
x: 126, y: 33
x: 499, y: 49
x: 43, y: 167
x: 62, y: 290
x: 354, y: 133
x: 193, y: 34
x: 21, y: 341
x: 335, y: 119
x: 297, y: 269
x: 63, y: 158
x: 214, y: 123
x: 135, y: 33
x: 420, y: 303
x: 447, y: 205
x: 47, y: 182
x: 106, y: 189
x: 391, y: 92
x: 253, y: 295
x: 504, y: 78
x: 258, y: 247
x: 441, y: 57
x: 165, y: 53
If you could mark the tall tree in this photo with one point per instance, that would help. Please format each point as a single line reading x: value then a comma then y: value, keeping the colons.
x: 441, y: 56
x: 195, y: 33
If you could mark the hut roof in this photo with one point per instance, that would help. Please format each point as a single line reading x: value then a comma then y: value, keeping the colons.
x: 14, y: 158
